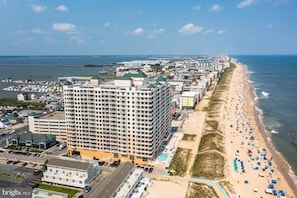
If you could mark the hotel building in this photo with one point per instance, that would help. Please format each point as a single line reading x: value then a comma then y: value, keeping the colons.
x: 127, y: 119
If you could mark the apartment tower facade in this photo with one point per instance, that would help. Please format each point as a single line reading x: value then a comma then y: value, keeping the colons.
x: 128, y: 119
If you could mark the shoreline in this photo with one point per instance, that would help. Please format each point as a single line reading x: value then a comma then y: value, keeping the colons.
x: 282, y: 165
x: 247, y: 117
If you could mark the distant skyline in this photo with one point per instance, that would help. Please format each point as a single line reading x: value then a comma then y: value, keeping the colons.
x: 139, y: 27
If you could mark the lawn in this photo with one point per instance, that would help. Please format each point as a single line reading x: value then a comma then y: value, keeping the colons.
x: 70, y: 192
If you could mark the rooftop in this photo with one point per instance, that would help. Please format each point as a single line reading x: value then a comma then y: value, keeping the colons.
x: 110, y: 184
x: 68, y: 163
x: 54, y: 115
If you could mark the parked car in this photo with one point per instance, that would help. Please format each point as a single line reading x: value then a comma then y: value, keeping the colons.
x: 87, y: 188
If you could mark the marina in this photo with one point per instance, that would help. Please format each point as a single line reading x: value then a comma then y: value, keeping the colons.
x: 30, y: 86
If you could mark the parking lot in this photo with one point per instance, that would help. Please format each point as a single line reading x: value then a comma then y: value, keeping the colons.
x: 14, y: 173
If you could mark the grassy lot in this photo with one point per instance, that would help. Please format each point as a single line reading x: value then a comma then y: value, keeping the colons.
x: 179, y: 162
x: 70, y: 192
x: 209, y: 165
x: 13, y: 147
x: 189, y: 137
x: 36, y: 151
x: 200, y: 190
x: 211, y: 141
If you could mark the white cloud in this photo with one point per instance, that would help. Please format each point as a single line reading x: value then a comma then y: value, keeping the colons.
x: 221, y: 31
x: 197, y: 7
x: 159, y: 31
x: 38, y: 8
x: 190, y: 29
x: 272, y: 26
x: 216, y: 7
x: 138, y: 31
x: 62, y: 8
x: 107, y: 24
x: 245, y: 3
x: 37, y: 31
x: 63, y: 27
x: 155, y: 32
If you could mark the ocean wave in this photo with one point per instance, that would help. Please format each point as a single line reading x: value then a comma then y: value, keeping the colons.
x: 274, y: 132
x: 250, y: 81
x: 293, y: 176
x: 265, y: 94
x: 251, y: 72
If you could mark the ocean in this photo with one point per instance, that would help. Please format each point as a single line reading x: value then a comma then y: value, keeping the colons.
x: 274, y: 80
x: 49, y: 68
x: 275, y: 75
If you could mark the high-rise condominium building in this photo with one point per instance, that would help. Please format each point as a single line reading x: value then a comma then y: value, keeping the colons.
x: 128, y: 119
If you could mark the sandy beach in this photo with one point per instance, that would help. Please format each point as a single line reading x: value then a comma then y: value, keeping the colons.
x: 253, y: 164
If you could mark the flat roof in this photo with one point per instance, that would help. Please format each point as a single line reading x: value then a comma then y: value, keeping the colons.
x: 111, y: 183
x: 189, y: 94
x: 54, y: 115
x: 68, y: 163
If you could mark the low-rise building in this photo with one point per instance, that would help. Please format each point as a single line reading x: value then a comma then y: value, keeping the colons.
x: 122, y: 182
x: 70, y: 173
x: 188, y: 100
x: 31, y: 140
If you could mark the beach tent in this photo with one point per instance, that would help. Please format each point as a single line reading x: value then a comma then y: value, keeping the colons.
x: 282, y: 193
x: 271, y: 186
x: 273, y: 181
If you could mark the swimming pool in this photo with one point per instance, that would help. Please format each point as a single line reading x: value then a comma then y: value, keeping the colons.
x: 37, y: 196
x: 163, y: 157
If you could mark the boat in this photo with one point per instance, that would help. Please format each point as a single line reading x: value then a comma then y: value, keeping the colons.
x: 103, y: 72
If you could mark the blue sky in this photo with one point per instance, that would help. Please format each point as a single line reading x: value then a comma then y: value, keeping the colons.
x: 151, y: 27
